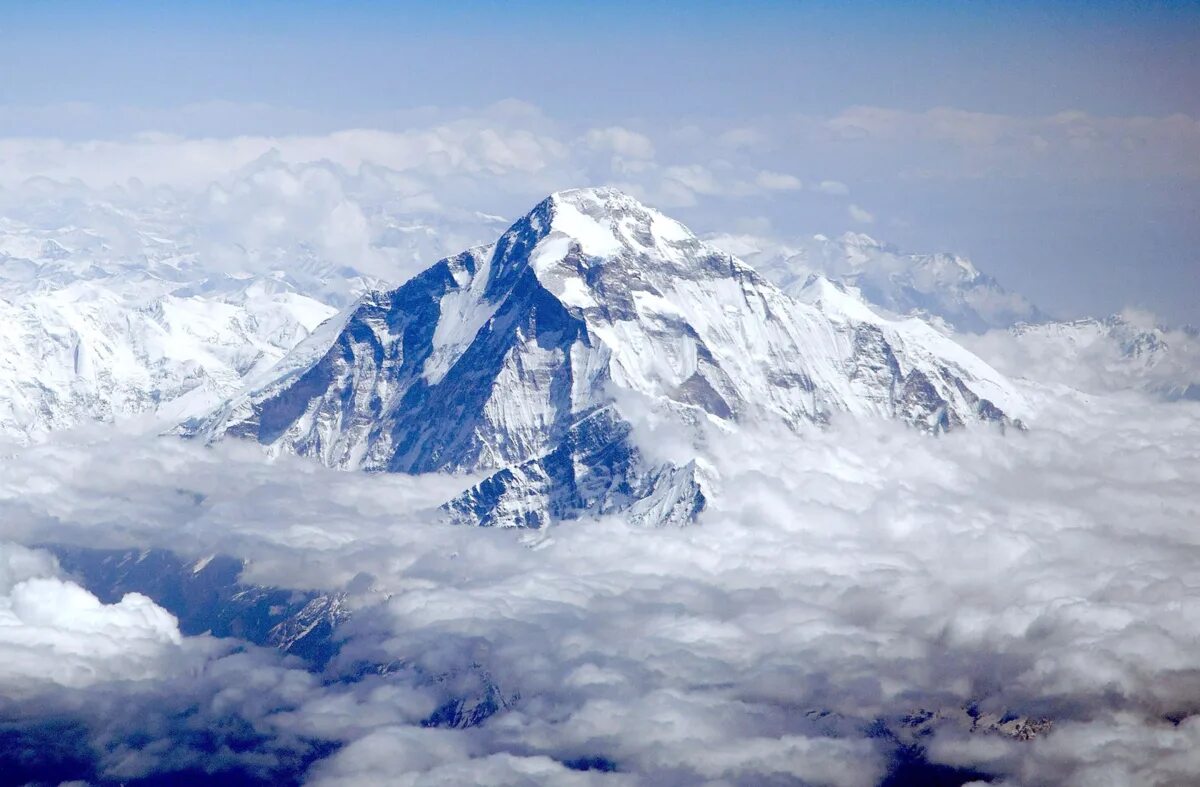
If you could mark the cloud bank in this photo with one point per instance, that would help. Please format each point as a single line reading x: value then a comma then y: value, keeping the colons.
x: 848, y: 593
x: 386, y: 201
x: 56, y: 632
x: 872, y: 575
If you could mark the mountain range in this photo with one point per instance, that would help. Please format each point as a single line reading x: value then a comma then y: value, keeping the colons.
x: 530, y: 363
x: 942, y: 287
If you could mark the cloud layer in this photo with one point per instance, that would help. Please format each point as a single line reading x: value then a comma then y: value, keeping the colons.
x: 873, y: 574
x: 53, y: 631
x: 425, y: 185
x: 841, y: 581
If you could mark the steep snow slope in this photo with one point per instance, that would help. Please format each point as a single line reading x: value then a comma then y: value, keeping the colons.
x: 528, y: 357
x: 944, y: 286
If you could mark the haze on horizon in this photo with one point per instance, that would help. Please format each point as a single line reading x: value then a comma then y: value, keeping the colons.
x: 1058, y: 145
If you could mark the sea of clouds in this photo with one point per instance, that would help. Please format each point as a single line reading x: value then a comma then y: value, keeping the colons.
x: 839, y: 578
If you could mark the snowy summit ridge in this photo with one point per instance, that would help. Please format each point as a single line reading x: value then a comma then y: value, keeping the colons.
x: 526, y: 358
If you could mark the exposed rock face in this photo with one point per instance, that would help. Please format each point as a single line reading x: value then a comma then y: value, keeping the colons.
x: 207, y: 596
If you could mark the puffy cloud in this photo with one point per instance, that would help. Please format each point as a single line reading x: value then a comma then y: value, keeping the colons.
x: 53, y: 631
x: 778, y: 181
x: 415, y: 756
x: 620, y: 142
x: 743, y: 137
x: 861, y: 215
x: 516, y: 140
x: 472, y: 144
x: 835, y: 187
x: 696, y: 177
x: 874, y: 573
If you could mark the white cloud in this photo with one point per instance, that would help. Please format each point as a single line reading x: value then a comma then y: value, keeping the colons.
x: 53, y: 631
x: 470, y: 146
x: 778, y: 181
x: 860, y: 215
x: 696, y: 177
x: 832, y: 187
x: 515, y: 142
x: 874, y: 573
x: 744, y: 137
x: 621, y: 142
x: 415, y: 756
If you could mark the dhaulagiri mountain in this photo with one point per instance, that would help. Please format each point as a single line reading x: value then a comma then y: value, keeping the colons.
x: 530, y: 361
x: 114, y: 314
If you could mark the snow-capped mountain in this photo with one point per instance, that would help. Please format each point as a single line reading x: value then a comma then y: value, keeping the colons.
x: 1127, y: 351
x: 88, y: 351
x: 136, y: 304
x: 942, y: 286
x: 531, y: 358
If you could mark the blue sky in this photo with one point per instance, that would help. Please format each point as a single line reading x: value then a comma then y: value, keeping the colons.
x: 611, y: 57
x: 1087, y: 236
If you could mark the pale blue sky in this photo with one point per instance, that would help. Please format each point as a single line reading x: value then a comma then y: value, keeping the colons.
x: 1104, y: 220
x: 578, y: 59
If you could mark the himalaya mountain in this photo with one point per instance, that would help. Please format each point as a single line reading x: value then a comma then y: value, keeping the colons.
x: 85, y: 352
x: 945, y: 287
x: 1127, y: 351
x: 531, y: 359
x: 130, y: 306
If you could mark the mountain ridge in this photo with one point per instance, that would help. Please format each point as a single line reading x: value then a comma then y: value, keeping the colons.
x: 939, y: 286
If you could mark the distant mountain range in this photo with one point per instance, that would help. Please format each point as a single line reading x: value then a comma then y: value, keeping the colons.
x: 1124, y: 352
x: 116, y: 315
x: 944, y: 287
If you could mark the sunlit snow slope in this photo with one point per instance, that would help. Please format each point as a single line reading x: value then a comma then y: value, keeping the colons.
x: 95, y: 351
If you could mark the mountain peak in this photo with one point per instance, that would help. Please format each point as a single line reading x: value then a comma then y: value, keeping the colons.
x: 533, y: 358
x: 607, y: 198
x: 606, y: 221
x: 602, y: 248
